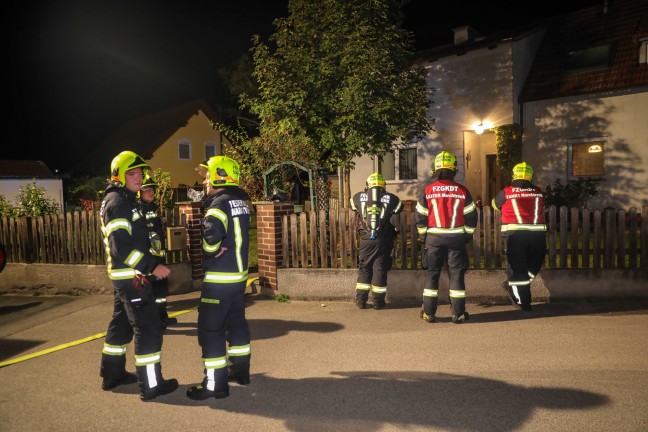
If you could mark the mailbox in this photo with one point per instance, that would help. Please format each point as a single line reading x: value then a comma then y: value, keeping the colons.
x: 176, y: 238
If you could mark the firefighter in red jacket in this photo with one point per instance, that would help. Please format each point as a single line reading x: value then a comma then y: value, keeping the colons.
x: 446, y: 218
x: 523, y: 226
x: 223, y: 332
x: 374, y: 208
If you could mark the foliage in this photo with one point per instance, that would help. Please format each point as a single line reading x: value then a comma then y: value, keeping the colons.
x: 282, y: 298
x: 337, y: 84
x: 164, y: 191
x: 575, y: 193
x: 30, y: 201
x: 6, y: 209
x: 85, y: 191
x: 509, y: 147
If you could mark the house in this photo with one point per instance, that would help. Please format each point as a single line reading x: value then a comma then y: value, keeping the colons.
x: 16, y: 174
x: 546, y: 78
x: 175, y: 140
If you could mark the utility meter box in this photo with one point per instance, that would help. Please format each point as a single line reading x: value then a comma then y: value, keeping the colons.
x: 176, y: 238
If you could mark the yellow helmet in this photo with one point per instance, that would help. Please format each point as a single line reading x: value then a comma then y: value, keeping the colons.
x: 223, y: 171
x: 445, y: 160
x: 149, y: 181
x: 124, y: 161
x: 376, y: 179
x: 522, y: 171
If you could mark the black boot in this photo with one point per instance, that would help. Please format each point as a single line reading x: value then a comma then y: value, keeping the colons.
x: 162, y: 386
x: 111, y: 383
x: 201, y: 393
x: 239, y: 374
x: 113, y: 372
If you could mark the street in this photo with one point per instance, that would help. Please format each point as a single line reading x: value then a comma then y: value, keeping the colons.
x: 327, y: 366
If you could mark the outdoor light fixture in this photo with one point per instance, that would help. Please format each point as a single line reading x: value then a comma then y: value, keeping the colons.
x: 595, y: 149
x: 480, y: 127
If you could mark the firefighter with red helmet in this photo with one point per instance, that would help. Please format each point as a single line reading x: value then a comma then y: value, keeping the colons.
x: 446, y: 218
x: 223, y: 331
x: 157, y: 236
x: 523, y: 225
x: 374, y: 208
x: 130, y: 267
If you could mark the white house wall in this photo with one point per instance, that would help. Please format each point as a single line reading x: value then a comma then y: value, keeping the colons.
x: 469, y: 88
x: 620, y: 118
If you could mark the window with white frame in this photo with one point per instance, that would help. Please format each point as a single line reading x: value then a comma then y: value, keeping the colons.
x: 184, y: 149
x: 210, y: 149
x: 399, y: 164
x: 587, y: 157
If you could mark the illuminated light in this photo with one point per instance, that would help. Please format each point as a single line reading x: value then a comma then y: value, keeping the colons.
x: 595, y: 149
x: 482, y: 126
x: 479, y: 129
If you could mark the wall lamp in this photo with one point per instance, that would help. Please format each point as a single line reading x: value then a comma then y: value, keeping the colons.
x: 595, y: 148
x: 480, y: 127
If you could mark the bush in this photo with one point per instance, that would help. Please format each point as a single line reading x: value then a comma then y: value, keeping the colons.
x: 575, y: 193
x: 30, y: 201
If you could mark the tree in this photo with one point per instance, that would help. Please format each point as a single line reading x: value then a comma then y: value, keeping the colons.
x: 338, y: 82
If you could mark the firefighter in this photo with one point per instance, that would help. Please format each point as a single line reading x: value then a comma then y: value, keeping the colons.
x: 223, y: 331
x: 446, y: 218
x: 374, y: 208
x: 130, y: 267
x: 522, y: 210
x: 150, y: 210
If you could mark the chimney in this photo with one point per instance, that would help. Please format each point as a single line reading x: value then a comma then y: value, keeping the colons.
x: 464, y: 34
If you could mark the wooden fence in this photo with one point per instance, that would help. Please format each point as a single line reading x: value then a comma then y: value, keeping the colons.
x: 67, y: 238
x: 576, y: 239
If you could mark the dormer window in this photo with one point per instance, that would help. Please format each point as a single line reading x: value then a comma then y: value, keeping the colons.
x: 590, y: 58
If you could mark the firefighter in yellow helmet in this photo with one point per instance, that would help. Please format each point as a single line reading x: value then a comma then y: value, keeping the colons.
x: 374, y: 208
x: 446, y: 218
x: 522, y: 209
x: 130, y: 267
x: 223, y: 332
x: 154, y: 221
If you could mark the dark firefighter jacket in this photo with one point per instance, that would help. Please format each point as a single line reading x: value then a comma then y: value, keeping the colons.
x: 225, y: 235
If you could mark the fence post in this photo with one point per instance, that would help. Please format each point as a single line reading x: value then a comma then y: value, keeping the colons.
x: 193, y: 212
x: 269, y: 240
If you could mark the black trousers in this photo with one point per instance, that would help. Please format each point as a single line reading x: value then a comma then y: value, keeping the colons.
x: 374, y: 262
x: 525, y: 253
x: 223, y: 332
x: 442, y: 248
x: 135, y: 315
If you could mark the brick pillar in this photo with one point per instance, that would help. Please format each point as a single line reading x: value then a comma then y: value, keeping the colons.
x: 269, y: 235
x: 193, y: 212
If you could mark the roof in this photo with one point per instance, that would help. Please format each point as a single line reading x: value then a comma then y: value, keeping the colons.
x: 621, y: 26
x: 143, y: 135
x: 24, y: 168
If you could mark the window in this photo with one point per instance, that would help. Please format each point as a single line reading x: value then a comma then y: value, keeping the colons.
x: 399, y: 164
x: 600, y: 56
x: 184, y: 149
x: 643, y: 51
x: 587, y: 158
x: 210, y: 149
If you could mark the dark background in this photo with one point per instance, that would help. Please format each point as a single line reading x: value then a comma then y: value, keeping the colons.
x: 78, y: 69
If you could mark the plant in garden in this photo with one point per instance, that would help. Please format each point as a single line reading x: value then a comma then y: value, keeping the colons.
x: 282, y: 298
x: 508, y: 139
x: 574, y: 193
x: 31, y: 201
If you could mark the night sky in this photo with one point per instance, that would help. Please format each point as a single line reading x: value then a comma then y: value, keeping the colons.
x: 78, y: 69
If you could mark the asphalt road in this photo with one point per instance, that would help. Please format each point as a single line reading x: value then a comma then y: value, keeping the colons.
x: 331, y: 367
